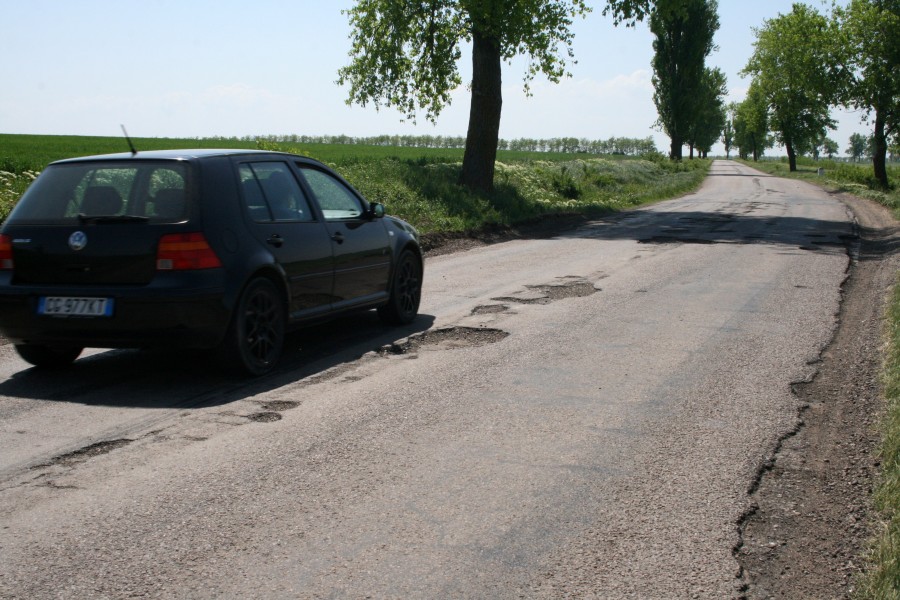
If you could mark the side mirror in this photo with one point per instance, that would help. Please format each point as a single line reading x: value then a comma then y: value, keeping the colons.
x: 376, y: 210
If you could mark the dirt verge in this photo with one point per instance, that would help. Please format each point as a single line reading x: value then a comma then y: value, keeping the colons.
x: 806, y: 534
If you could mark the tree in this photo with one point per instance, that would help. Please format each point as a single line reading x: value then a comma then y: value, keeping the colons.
x: 871, y: 33
x: 683, y: 31
x: 728, y: 129
x: 404, y: 54
x: 751, y: 124
x: 709, y: 112
x: 797, y: 67
x: 829, y: 147
x: 857, y: 146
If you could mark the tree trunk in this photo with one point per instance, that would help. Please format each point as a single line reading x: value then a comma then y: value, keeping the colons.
x: 792, y: 156
x: 879, y: 152
x: 484, y: 114
x: 691, y: 146
x: 675, y: 148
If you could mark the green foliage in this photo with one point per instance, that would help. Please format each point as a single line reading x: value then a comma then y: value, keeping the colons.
x: 404, y: 54
x: 853, y: 174
x: 858, y: 146
x: 796, y: 65
x: 427, y: 193
x: 872, y: 50
x: 628, y: 12
x: 683, y: 31
x: 12, y: 186
x: 829, y: 147
x: 728, y: 129
x: 751, y: 124
x: 709, y: 111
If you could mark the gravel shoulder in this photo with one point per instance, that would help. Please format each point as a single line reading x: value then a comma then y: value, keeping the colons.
x: 806, y: 535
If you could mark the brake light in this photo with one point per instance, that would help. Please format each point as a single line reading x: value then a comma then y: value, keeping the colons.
x: 185, y: 252
x: 6, y: 255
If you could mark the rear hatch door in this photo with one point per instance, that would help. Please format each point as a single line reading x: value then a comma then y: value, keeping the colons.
x: 97, y: 222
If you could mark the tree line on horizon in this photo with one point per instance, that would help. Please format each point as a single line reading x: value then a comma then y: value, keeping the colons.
x: 624, y: 146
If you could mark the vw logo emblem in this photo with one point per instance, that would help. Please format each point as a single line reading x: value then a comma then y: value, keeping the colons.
x: 77, y: 241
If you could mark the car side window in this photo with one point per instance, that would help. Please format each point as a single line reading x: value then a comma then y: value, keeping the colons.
x: 336, y: 200
x: 271, y: 193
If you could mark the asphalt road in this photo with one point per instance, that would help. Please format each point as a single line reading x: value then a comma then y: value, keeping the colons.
x: 584, y: 415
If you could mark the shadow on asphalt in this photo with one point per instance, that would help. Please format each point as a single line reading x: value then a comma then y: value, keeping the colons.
x: 195, y: 379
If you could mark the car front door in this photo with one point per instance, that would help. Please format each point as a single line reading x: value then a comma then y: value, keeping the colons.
x: 280, y: 216
x: 361, y: 245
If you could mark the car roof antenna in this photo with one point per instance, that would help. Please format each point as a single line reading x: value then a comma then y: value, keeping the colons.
x: 130, y: 144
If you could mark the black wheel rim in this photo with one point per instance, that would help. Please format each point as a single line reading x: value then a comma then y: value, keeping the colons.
x: 262, y: 324
x: 409, y: 287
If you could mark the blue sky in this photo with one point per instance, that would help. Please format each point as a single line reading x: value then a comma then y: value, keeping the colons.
x: 197, y: 68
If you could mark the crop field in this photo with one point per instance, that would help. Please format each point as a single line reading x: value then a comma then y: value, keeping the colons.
x: 416, y: 184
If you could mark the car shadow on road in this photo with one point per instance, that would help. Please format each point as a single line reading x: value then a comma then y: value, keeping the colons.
x: 196, y: 379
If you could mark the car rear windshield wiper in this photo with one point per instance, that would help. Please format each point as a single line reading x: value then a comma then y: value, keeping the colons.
x: 83, y: 218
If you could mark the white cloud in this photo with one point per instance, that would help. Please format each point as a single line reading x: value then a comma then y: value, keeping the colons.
x: 583, y: 107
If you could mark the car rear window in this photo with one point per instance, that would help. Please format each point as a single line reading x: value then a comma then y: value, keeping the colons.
x: 116, y: 191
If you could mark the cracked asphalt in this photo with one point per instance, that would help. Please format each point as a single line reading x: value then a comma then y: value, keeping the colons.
x: 586, y: 415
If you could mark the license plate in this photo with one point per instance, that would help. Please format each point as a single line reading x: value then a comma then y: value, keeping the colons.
x: 60, y: 306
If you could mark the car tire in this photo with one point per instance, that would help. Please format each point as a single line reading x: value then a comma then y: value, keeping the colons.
x: 406, y: 291
x: 51, y: 357
x: 255, y: 338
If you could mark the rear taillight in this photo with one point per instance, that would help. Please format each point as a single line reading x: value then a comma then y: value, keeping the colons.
x: 6, y: 256
x: 185, y: 252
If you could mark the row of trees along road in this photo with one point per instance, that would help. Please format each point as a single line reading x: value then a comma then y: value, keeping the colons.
x: 688, y: 94
x: 405, y: 53
x: 804, y: 63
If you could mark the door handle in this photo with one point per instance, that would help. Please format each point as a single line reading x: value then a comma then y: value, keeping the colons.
x: 275, y: 240
x: 338, y: 237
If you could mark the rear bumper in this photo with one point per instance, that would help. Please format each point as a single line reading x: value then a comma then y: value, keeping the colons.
x: 144, y: 316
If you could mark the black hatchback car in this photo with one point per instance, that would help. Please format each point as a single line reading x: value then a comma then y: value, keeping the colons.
x: 223, y: 249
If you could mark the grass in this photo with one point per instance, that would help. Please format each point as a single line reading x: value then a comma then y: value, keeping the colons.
x: 416, y: 184
x: 882, y: 577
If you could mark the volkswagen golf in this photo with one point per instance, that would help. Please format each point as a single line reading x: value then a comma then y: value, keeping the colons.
x: 217, y: 249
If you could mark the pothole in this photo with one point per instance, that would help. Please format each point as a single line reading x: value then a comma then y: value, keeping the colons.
x: 670, y: 239
x: 265, y: 417
x: 545, y: 294
x: 577, y: 289
x: 279, y: 405
x: 445, y: 339
x: 83, y: 454
x: 490, y: 309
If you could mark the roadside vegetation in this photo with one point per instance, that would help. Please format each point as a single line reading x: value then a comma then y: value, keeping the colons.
x: 854, y: 178
x: 418, y: 184
x: 882, y: 578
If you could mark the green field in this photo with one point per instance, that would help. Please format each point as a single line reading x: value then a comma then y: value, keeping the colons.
x: 416, y: 184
